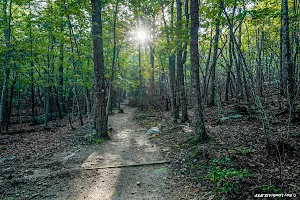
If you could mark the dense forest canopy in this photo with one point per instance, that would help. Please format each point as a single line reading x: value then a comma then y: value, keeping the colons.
x: 47, y: 58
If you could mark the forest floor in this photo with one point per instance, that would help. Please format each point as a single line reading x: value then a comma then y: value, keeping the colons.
x: 235, y: 162
x: 60, y: 163
x: 63, y: 164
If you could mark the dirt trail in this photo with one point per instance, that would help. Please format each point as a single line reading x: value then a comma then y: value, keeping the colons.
x: 53, y: 177
x: 129, y: 145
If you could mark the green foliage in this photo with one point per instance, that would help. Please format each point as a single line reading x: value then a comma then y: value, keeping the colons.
x: 226, y: 179
x: 98, y: 140
x: 3, y: 148
x: 223, y: 161
x: 245, y: 151
x: 7, y: 198
x: 271, y: 189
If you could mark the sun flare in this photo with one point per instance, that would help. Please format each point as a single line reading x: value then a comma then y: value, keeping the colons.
x: 141, y: 35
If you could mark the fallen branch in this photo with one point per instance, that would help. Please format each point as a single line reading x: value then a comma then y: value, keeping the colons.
x: 129, y: 165
x: 63, y: 173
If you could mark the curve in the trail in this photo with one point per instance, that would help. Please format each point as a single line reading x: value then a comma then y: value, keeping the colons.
x: 130, y: 167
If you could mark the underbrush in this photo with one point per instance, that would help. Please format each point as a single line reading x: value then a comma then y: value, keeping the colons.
x: 235, y: 163
x: 225, y: 178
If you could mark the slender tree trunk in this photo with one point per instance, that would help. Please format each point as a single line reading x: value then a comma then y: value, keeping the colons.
x: 141, y: 93
x: 260, y: 44
x: 287, y: 57
x: 296, y: 39
x: 71, y: 35
x: 239, y: 82
x: 172, y: 74
x: 230, y: 52
x: 180, y: 75
x: 152, y: 64
x: 99, y: 71
x: 240, y: 56
x: 206, y: 75
x: 281, y: 67
x: 199, y: 121
x: 7, y: 31
x: 113, y: 66
x: 62, y: 107
x: 12, y: 88
x: 214, y: 62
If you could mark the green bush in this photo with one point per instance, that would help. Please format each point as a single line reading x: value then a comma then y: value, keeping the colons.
x: 226, y: 179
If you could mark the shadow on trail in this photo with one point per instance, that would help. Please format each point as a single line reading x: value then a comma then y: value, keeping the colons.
x: 130, y: 145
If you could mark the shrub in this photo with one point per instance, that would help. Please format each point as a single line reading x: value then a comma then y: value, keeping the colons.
x: 226, y: 179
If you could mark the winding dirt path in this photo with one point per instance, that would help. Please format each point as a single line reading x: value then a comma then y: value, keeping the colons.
x: 130, y: 144
x: 72, y: 172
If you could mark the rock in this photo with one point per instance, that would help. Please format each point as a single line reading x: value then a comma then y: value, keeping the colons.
x: 154, y: 130
x: 236, y: 116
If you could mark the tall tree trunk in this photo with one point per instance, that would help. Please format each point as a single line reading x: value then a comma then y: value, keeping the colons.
x: 214, y: 62
x: 180, y: 75
x: 32, y: 67
x: 152, y: 51
x: 199, y: 121
x: 172, y: 76
x: 113, y: 65
x: 230, y: 54
x: 76, y: 95
x: 9, y: 110
x: 206, y: 75
x: 141, y: 93
x: 7, y: 31
x: 60, y: 88
x: 264, y: 117
x: 99, y: 71
x: 260, y: 44
x: 239, y: 83
x: 240, y: 56
x: 287, y: 57
x: 296, y: 38
x: 281, y: 65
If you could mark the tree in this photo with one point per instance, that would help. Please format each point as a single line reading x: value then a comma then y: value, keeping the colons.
x: 287, y: 57
x: 214, y: 62
x: 171, y: 59
x: 7, y: 32
x: 179, y: 62
x: 197, y: 103
x: 99, y: 71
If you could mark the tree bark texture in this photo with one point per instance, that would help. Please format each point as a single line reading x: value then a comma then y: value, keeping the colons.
x: 99, y: 71
x: 199, y: 121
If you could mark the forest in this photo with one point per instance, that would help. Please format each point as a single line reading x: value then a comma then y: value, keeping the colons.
x: 152, y: 99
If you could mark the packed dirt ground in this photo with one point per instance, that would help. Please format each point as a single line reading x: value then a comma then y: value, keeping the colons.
x: 65, y: 164
x: 60, y: 163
